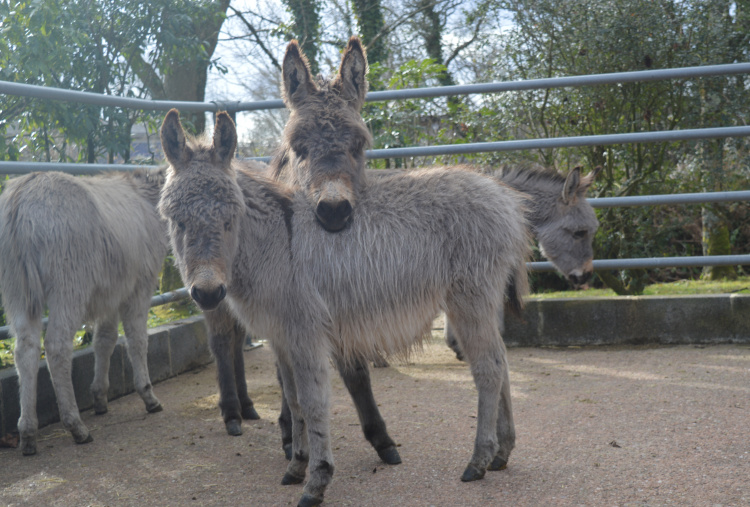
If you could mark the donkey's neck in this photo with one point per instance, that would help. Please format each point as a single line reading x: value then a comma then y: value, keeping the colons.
x: 542, y: 186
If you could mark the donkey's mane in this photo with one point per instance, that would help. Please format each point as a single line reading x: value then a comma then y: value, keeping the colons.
x: 530, y: 174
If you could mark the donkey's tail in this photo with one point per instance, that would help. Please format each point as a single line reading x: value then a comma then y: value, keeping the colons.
x: 518, y: 287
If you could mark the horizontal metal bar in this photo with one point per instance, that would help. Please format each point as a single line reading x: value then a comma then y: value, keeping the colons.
x: 70, y: 168
x: 157, y: 300
x: 562, y: 142
x: 43, y: 92
x: 656, y: 199
x: 655, y: 262
x: 563, y: 82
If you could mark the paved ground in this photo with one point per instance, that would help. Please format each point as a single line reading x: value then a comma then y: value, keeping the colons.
x: 599, y: 426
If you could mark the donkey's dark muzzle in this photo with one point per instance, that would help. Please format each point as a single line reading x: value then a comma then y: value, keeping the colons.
x: 580, y: 280
x: 208, y: 299
x: 333, y: 216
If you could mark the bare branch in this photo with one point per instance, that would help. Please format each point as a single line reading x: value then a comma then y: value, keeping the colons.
x: 255, y: 34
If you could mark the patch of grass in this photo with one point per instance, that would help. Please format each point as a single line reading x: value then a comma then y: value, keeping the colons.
x: 680, y: 288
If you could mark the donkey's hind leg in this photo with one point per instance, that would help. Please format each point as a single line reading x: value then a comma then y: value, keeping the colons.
x: 26, y: 355
x: 134, y: 314
x: 356, y: 377
x: 223, y: 333
x: 299, y: 452
x: 58, y: 346
x: 247, y: 407
x: 480, y: 340
x: 105, y: 340
x: 285, y: 419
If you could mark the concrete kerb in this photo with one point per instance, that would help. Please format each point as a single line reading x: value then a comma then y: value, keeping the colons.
x: 173, y: 349
x: 183, y: 345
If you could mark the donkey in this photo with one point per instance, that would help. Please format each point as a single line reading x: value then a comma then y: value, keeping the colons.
x: 89, y: 249
x: 560, y: 218
x: 419, y: 243
x: 324, y: 126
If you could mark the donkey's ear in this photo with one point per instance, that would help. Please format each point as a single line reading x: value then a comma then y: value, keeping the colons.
x: 295, y: 72
x: 587, y: 180
x: 352, y: 79
x: 570, y: 189
x: 225, y: 139
x: 173, y: 140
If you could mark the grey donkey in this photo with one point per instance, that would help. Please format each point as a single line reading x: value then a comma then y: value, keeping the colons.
x: 419, y: 243
x: 87, y: 249
x: 560, y: 218
x: 324, y: 134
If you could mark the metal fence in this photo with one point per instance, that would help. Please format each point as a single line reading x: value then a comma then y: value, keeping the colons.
x: 445, y: 91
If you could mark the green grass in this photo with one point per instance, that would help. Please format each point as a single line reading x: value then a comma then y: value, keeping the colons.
x: 679, y: 288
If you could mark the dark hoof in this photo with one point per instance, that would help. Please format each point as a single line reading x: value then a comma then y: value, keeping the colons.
x: 154, y: 409
x: 309, y: 501
x: 28, y: 448
x: 498, y: 464
x: 291, y: 479
x: 390, y: 456
x: 234, y: 428
x: 288, y: 452
x: 100, y: 410
x: 472, y: 473
x: 85, y: 440
x: 249, y: 413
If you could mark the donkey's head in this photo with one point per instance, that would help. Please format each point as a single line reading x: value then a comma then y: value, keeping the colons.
x: 323, y: 149
x: 202, y: 203
x: 566, y: 237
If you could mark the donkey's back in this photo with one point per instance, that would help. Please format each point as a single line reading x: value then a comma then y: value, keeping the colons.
x: 92, y: 239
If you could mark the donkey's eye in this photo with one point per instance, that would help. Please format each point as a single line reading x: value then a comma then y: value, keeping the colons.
x: 580, y: 234
x: 301, y: 152
x: 227, y: 226
x: 181, y: 226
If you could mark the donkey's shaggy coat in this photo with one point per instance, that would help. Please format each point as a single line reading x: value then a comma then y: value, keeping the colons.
x: 89, y: 249
x: 418, y: 243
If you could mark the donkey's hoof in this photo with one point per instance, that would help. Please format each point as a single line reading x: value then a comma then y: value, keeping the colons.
x: 234, y: 427
x: 472, y: 473
x: 83, y: 439
x: 98, y: 410
x: 28, y: 446
x: 498, y: 464
x: 249, y: 413
x: 309, y: 501
x: 288, y: 452
x: 291, y: 479
x: 390, y: 455
x: 152, y: 409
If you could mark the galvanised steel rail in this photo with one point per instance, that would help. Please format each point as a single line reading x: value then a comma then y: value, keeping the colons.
x: 43, y: 92
x: 445, y: 149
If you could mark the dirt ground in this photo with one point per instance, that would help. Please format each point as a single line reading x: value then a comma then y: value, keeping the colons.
x: 598, y: 426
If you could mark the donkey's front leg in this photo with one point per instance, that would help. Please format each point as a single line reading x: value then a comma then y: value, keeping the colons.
x: 356, y: 376
x: 311, y: 376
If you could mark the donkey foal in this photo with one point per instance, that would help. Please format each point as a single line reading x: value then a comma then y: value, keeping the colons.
x: 89, y: 249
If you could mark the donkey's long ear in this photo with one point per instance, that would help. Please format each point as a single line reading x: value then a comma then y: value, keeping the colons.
x: 587, y: 180
x: 225, y: 139
x: 352, y: 79
x: 570, y: 189
x: 173, y: 140
x: 295, y: 73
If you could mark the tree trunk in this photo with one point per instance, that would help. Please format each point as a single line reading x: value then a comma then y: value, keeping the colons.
x: 306, y: 28
x: 370, y: 23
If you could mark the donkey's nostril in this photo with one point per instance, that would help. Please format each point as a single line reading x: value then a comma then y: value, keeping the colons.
x: 333, y: 215
x: 208, y: 299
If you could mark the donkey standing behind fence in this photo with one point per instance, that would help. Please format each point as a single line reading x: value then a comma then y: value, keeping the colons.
x: 89, y: 249
x: 419, y: 243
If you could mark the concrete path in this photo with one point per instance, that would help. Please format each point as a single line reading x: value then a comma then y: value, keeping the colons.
x: 596, y: 426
